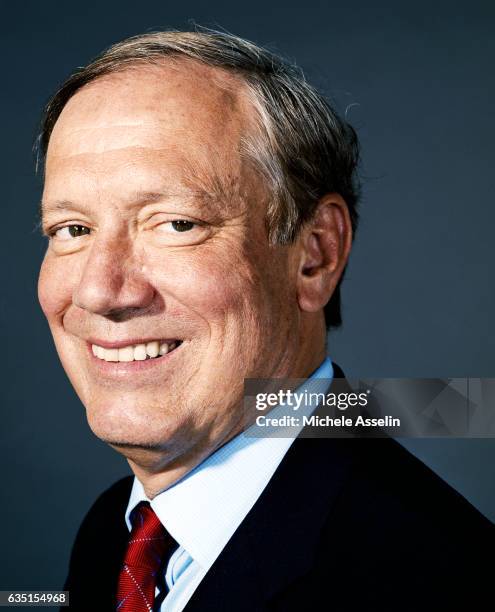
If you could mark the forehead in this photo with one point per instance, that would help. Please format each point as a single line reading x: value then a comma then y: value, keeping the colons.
x: 168, y: 95
x: 179, y: 116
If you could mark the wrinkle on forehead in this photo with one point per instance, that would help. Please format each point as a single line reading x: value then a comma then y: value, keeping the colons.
x: 169, y: 174
x: 190, y: 113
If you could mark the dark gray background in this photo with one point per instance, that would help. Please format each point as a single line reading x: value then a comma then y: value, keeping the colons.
x: 417, y: 82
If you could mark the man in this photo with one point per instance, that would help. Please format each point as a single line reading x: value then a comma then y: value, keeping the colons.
x: 200, y: 200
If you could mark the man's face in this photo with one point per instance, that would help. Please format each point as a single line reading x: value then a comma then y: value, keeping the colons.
x: 159, y: 245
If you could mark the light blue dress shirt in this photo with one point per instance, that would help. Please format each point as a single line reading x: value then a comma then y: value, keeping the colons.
x: 202, y: 510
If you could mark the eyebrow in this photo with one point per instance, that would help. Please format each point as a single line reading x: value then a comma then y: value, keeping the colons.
x: 139, y: 199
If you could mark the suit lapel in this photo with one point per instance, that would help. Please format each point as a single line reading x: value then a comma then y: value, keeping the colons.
x: 277, y: 540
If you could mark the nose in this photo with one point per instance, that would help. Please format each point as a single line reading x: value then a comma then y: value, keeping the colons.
x: 112, y: 282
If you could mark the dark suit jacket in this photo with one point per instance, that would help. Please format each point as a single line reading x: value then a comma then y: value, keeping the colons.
x: 344, y: 524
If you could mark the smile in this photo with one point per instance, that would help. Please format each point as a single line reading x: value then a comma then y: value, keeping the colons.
x: 135, y: 352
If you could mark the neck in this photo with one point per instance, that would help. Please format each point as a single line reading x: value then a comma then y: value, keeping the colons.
x: 157, y: 473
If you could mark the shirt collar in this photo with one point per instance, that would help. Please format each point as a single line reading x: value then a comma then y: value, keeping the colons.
x: 203, y: 509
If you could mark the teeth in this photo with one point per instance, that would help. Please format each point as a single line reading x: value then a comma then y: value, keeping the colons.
x: 140, y: 352
x: 126, y: 353
x: 111, y: 354
x: 134, y: 352
x: 152, y: 349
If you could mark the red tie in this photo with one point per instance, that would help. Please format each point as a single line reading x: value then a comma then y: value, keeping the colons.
x: 146, y: 551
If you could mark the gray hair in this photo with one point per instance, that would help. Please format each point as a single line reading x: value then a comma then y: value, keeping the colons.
x: 304, y: 151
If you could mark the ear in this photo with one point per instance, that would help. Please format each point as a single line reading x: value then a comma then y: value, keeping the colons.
x: 325, y: 245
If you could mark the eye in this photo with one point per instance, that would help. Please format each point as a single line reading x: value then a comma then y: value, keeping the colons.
x: 70, y: 231
x: 179, y: 232
x: 177, y: 226
x: 181, y: 225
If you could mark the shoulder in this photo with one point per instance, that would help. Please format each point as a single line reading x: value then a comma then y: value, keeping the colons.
x: 105, y: 518
x: 103, y: 523
x: 377, y: 482
x: 391, y: 528
x: 400, y: 522
x: 385, y: 471
x: 106, y: 515
x: 113, y: 499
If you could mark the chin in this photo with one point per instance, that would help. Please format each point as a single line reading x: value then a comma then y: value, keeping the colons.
x: 132, y: 424
x: 116, y: 422
x: 133, y: 438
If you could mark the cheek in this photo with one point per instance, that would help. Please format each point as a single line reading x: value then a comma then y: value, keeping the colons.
x: 210, y: 285
x: 235, y: 296
x: 54, y: 288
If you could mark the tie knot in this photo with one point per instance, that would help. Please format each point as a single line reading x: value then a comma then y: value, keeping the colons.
x: 148, y: 541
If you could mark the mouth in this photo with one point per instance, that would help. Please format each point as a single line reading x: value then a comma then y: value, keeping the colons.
x: 144, y: 351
